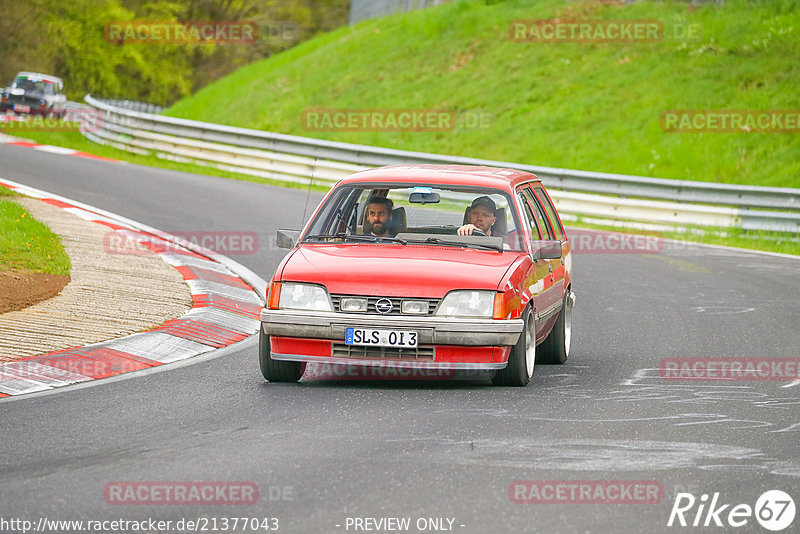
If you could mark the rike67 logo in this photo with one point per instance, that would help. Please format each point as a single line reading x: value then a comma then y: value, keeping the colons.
x: 774, y: 510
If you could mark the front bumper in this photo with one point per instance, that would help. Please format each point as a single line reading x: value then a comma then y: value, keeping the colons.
x: 431, y: 330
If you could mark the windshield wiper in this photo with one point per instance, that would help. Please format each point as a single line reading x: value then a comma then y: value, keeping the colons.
x: 375, y: 239
x: 357, y: 237
x: 340, y: 235
x: 437, y: 241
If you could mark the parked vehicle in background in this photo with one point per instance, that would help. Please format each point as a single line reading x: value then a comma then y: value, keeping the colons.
x: 32, y: 93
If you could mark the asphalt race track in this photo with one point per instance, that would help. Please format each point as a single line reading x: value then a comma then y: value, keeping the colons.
x: 323, y: 451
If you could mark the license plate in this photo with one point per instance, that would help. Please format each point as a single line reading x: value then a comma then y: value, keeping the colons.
x: 21, y: 108
x: 405, y: 339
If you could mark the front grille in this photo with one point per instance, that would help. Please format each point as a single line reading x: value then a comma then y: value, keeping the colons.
x: 419, y: 354
x: 371, y: 301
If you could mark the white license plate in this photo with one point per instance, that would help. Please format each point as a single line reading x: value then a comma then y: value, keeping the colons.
x: 370, y: 337
x: 21, y: 108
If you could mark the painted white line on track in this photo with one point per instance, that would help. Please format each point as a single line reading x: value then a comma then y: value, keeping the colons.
x: 158, y: 346
x: 55, y: 149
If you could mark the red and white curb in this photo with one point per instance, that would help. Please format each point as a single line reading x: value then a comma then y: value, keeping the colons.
x: 226, y: 309
x: 15, y: 141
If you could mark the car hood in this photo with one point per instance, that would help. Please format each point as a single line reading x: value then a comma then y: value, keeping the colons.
x: 397, y: 270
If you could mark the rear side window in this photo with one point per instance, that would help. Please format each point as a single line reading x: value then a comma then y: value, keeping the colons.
x: 551, y: 211
x: 541, y: 218
x: 528, y: 213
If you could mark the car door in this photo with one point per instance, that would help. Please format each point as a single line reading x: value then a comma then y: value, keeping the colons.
x: 562, y: 268
x: 549, y: 301
x: 539, y: 281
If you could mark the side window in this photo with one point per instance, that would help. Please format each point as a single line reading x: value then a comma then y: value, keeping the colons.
x: 551, y: 211
x: 541, y: 219
x: 528, y: 214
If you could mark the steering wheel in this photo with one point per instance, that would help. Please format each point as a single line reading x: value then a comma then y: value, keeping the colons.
x: 479, y: 233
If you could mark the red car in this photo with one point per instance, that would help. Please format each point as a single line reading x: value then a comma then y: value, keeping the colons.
x: 428, y: 267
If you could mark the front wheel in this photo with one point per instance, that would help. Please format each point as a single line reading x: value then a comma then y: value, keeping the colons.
x: 276, y: 370
x: 555, y: 349
x: 522, y: 360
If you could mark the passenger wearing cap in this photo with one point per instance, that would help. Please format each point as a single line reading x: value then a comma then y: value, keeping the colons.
x: 481, y: 217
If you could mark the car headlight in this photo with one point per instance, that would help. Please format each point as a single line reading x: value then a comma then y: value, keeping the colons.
x: 467, y: 304
x: 304, y: 297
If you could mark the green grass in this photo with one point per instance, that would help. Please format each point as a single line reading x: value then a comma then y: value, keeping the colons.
x: 580, y: 106
x: 27, y: 245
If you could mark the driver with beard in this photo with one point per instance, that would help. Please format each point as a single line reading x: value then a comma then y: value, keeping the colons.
x: 379, y: 215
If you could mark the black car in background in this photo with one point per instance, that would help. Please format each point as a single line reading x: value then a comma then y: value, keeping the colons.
x: 32, y: 93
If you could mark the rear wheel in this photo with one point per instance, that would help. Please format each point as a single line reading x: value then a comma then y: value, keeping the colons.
x: 522, y: 360
x: 276, y: 370
x: 554, y: 350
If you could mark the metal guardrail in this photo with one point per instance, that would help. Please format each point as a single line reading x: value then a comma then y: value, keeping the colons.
x: 370, y: 9
x: 636, y: 199
x: 133, y: 105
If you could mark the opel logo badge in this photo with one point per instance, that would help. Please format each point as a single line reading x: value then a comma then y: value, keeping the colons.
x: 383, y: 306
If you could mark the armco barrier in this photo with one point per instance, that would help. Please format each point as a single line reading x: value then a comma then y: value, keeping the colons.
x: 635, y: 200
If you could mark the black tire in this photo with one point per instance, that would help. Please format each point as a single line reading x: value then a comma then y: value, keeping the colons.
x: 522, y: 361
x: 276, y: 370
x: 554, y: 350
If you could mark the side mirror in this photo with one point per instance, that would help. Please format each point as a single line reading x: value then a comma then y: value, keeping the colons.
x: 546, y: 250
x: 288, y: 238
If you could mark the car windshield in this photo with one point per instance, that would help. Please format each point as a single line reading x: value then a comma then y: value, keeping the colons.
x: 418, y: 214
x: 32, y: 85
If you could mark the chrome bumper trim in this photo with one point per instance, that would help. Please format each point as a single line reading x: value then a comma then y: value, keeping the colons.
x: 432, y: 330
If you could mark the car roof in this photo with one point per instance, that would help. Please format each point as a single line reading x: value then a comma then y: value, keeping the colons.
x: 480, y: 176
x: 46, y: 77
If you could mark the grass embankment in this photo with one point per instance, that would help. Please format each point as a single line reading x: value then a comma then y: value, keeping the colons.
x: 592, y: 106
x: 27, y: 245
